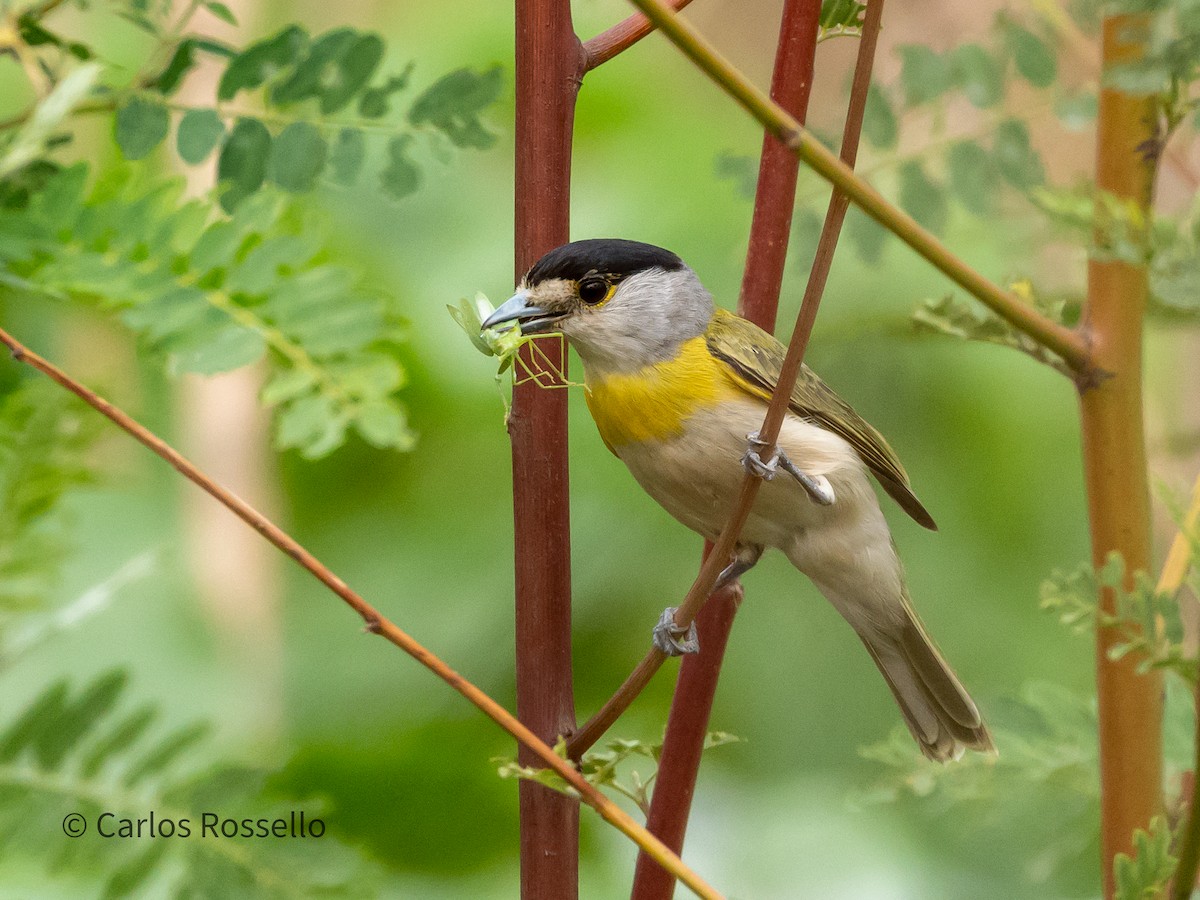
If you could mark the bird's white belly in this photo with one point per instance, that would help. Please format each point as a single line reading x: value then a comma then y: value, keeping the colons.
x: 696, y: 476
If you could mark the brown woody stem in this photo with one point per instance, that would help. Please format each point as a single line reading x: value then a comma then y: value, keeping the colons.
x: 1114, y: 455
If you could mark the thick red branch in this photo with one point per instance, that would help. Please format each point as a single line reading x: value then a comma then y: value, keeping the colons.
x: 620, y: 37
x: 548, y: 69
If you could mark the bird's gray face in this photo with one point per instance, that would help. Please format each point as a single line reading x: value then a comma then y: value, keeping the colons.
x: 616, y: 322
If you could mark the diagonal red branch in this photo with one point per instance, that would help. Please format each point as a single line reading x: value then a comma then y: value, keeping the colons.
x: 774, y: 201
x: 620, y: 37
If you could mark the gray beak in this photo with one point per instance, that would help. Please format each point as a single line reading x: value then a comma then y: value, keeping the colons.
x: 530, y: 319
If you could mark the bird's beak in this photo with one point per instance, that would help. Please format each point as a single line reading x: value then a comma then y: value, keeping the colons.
x: 531, y: 319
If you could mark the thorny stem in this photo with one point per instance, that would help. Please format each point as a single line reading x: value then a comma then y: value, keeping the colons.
x: 376, y: 622
x: 1066, y: 342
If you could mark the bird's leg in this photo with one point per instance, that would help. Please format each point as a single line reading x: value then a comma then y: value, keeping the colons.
x: 744, y: 558
x: 817, y: 486
x: 673, y: 640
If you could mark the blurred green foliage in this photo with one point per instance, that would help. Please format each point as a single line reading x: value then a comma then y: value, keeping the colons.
x: 402, y: 766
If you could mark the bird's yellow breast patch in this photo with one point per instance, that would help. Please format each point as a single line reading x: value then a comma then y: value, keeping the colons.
x: 655, y: 402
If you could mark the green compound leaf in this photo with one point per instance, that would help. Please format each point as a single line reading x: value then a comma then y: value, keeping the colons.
x: 140, y: 126
x: 401, y: 177
x: 1034, y: 58
x: 44, y: 436
x: 924, y: 74
x: 971, y: 320
x: 924, y: 200
x: 297, y: 157
x: 979, y: 75
x: 880, y: 125
x: 261, y: 61
x: 973, y: 177
x: 200, y: 130
x: 354, y: 69
x: 454, y: 103
x: 242, y: 167
x: 211, y: 297
x: 1077, y: 111
x: 346, y: 158
x: 841, y: 14
x: 74, y: 753
x: 307, y: 80
x: 1145, y: 875
x: 182, y: 61
x: 375, y: 102
x: 867, y: 235
x: 221, y: 11
x: 1015, y: 158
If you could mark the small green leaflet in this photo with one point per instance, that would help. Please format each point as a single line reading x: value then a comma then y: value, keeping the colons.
x: 1144, y: 875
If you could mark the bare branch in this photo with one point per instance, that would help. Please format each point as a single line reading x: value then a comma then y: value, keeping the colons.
x: 620, y: 38
x: 376, y: 622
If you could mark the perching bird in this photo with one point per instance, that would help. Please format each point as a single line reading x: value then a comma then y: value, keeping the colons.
x: 678, y: 387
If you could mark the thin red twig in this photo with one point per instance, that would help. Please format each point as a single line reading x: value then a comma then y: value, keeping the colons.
x: 376, y: 622
x: 620, y: 38
x: 775, y: 197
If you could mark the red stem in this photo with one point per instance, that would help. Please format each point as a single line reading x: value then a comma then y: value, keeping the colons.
x: 548, y: 69
x: 774, y: 201
x: 620, y: 37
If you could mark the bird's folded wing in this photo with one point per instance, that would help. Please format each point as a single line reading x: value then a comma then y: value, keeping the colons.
x: 755, y: 359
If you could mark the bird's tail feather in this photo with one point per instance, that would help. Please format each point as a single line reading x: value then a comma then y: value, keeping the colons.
x: 937, y: 708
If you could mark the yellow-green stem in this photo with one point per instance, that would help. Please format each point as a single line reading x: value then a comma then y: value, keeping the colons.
x: 1062, y: 340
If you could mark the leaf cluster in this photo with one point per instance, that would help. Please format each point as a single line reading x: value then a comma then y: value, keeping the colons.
x: 1148, y: 622
x: 1146, y: 874
x: 44, y: 437
x: 212, y: 296
x: 87, y: 752
x: 1047, y: 760
x: 324, y: 98
x: 602, y: 768
x: 970, y: 320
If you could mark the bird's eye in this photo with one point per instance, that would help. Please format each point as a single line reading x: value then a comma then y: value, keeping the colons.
x: 593, y: 290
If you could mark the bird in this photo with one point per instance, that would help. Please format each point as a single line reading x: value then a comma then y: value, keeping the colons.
x: 677, y: 386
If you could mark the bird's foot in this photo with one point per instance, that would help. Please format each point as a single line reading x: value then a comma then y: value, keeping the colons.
x: 817, y: 486
x: 673, y: 639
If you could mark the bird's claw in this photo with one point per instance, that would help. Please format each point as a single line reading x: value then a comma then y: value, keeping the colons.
x: 817, y: 486
x: 672, y: 639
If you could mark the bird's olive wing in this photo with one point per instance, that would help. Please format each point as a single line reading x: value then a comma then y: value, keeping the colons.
x: 755, y: 359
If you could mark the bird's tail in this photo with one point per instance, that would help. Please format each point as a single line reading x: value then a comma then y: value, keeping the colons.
x: 937, y: 708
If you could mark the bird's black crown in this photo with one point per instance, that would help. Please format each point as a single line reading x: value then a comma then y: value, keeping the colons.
x: 607, y: 256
